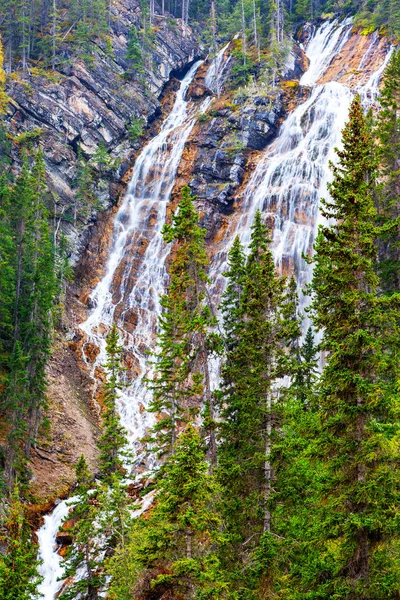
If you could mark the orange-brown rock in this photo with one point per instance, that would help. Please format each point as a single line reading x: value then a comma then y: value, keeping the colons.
x: 62, y: 551
x: 91, y: 351
x: 197, y: 90
x: 134, y: 489
x: 361, y: 56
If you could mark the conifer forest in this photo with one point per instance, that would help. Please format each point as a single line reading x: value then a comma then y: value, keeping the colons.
x: 199, y: 299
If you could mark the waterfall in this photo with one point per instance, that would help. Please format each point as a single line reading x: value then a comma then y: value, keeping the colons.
x: 326, y: 43
x: 215, y: 74
x: 286, y: 185
x: 50, y: 568
x: 136, y: 275
x: 292, y: 175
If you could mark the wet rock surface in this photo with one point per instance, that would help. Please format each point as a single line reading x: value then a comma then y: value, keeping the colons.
x: 237, y: 126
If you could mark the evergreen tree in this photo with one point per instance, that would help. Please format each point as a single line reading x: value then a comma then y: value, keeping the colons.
x: 171, y: 551
x: 113, y: 441
x: 83, y: 475
x: 8, y: 251
x: 134, y: 51
x: 28, y: 301
x: 306, y: 376
x: 18, y: 566
x: 256, y: 309
x: 3, y: 96
x: 356, y: 518
x: 182, y: 383
x: 231, y: 301
x: 388, y: 194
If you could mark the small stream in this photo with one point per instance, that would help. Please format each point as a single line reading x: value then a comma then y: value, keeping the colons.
x: 50, y: 568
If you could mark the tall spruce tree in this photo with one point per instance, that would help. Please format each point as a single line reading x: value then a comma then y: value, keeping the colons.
x: 181, y: 385
x: 231, y: 301
x: 356, y: 518
x: 256, y: 306
x: 388, y: 192
x: 307, y: 370
x: 172, y: 550
x: 18, y: 566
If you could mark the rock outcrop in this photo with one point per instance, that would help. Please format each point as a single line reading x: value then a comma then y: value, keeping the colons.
x: 359, y: 58
x: 236, y: 127
x: 83, y: 105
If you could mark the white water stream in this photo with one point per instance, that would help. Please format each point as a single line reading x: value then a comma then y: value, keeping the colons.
x: 286, y: 185
x: 292, y: 175
x: 136, y: 275
x: 214, y: 78
x: 50, y: 568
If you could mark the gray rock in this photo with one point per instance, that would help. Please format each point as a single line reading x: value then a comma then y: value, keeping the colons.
x: 85, y: 105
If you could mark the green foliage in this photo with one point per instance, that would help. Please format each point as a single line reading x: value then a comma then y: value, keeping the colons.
x: 171, y: 551
x: 4, y: 99
x: 307, y: 370
x: 181, y: 385
x: 113, y: 442
x: 28, y: 288
x: 356, y: 515
x: 102, y: 161
x: 260, y: 324
x: 384, y: 14
x: 388, y: 192
x: 135, y: 129
x: 33, y: 29
x: 37, y: 30
x: 134, y: 52
x: 83, y: 475
x: 242, y: 69
x: 18, y: 566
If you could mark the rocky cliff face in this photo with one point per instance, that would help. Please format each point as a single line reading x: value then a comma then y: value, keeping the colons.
x: 85, y: 104
x: 219, y: 155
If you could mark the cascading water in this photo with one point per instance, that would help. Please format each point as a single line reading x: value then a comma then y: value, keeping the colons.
x: 135, y: 277
x: 50, y: 568
x: 215, y: 74
x: 292, y: 175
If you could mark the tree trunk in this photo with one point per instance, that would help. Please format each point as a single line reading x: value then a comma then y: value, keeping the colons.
x: 23, y: 38
x: 243, y: 34
x: 54, y: 35
x: 267, y: 465
x: 256, y: 42
x: 214, y: 25
x: 209, y: 402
